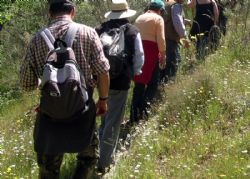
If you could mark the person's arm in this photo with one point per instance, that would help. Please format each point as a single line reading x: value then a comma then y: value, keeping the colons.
x: 100, y: 68
x: 178, y: 22
x: 138, y: 58
x: 216, y: 12
x: 161, y: 42
x: 162, y: 59
x: 28, y: 77
x: 103, y: 88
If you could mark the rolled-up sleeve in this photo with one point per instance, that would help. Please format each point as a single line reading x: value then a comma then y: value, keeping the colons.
x: 99, y: 62
x: 178, y: 22
x: 28, y: 77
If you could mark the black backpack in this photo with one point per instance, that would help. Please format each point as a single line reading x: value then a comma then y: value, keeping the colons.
x: 63, y: 87
x: 214, y: 37
x: 113, y: 42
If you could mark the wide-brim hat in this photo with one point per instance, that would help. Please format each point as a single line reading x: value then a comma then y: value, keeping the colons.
x: 119, y: 10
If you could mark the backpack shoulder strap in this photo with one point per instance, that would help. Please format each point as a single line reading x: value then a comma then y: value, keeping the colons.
x: 70, y: 35
x: 48, y: 37
x: 124, y: 27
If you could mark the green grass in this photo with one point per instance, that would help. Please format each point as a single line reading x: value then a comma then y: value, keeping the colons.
x: 201, y: 133
x: 199, y: 129
x: 16, y: 144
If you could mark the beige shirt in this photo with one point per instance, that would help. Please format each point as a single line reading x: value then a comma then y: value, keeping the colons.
x: 151, y: 27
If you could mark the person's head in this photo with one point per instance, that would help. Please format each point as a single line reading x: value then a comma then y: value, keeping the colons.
x: 157, y: 6
x: 61, y: 7
x: 119, y: 10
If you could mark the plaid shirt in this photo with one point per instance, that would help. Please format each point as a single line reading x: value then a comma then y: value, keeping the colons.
x: 88, y: 52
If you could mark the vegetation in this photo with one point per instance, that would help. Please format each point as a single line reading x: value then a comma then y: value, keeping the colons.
x: 199, y: 129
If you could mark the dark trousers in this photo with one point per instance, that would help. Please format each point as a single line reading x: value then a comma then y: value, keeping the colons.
x: 142, y: 95
x: 49, y: 165
x: 201, y: 44
x: 173, y: 59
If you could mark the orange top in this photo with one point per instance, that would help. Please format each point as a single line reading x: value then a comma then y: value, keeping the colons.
x: 151, y: 27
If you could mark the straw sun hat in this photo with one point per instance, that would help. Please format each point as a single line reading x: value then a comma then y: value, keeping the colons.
x: 119, y: 10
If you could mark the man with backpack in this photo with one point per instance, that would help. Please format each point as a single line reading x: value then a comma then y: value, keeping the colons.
x: 174, y: 33
x: 123, y: 48
x: 61, y: 60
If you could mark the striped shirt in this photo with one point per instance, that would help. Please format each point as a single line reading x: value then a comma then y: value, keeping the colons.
x: 87, y: 48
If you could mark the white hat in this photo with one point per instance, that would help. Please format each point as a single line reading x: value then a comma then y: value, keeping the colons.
x: 119, y: 10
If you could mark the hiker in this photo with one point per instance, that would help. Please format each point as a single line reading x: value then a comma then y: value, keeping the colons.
x: 232, y: 3
x: 222, y: 19
x: 174, y: 32
x: 76, y: 134
x: 151, y: 27
x: 109, y: 130
x: 206, y: 17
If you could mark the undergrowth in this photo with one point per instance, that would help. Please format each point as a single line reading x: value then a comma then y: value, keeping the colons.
x: 199, y: 128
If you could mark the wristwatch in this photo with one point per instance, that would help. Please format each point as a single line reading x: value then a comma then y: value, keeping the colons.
x: 103, y: 98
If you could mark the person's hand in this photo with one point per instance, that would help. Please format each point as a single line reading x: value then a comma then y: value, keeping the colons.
x: 185, y: 43
x: 162, y: 62
x: 188, y: 22
x: 101, y: 107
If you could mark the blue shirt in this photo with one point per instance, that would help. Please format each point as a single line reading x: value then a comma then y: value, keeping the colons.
x: 178, y: 21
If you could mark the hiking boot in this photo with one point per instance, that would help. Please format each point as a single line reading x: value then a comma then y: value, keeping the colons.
x: 102, y: 171
x: 85, y: 170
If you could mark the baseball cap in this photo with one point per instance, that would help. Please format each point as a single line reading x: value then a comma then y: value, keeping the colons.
x: 157, y: 4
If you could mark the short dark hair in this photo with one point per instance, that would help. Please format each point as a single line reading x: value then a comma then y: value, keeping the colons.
x: 61, y: 7
x: 153, y: 8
